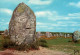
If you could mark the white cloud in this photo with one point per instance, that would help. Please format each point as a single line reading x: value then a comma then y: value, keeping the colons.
x: 57, y: 17
x: 39, y: 2
x: 42, y: 26
x: 2, y: 20
x: 59, y: 25
x: 40, y: 23
x: 14, y: 1
x: 75, y: 4
x: 66, y: 23
x: 5, y: 10
x: 50, y: 28
x: 4, y: 23
x: 74, y: 14
x: 7, y: 23
x: 54, y: 16
x: 45, y: 13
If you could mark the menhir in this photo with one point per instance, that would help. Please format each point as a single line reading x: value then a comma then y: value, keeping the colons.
x: 22, y: 26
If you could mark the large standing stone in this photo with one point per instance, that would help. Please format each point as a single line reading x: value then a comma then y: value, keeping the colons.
x: 54, y: 34
x: 60, y: 34
x: 68, y: 35
x: 65, y: 35
x: 57, y: 35
x: 22, y: 26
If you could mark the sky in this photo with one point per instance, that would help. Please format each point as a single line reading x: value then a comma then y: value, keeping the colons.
x: 51, y: 15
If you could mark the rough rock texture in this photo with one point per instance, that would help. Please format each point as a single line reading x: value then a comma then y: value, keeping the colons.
x: 76, y: 35
x: 22, y: 26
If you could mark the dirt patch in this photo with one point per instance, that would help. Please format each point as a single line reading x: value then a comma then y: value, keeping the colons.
x: 42, y: 51
x: 6, y: 53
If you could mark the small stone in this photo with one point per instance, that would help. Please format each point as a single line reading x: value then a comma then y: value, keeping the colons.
x: 48, y: 34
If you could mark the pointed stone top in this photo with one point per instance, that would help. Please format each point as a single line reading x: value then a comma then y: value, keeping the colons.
x: 22, y: 3
x: 22, y: 8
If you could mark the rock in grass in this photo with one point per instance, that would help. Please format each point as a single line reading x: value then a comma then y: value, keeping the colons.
x: 22, y: 26
x: 48, y: 34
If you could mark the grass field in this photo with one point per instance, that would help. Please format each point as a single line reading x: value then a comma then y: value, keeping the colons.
x: 63, y: 44
x: 60, y: 44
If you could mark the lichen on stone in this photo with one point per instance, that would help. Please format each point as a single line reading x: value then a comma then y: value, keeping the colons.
x: 21, y: 23
x: 21, y: 8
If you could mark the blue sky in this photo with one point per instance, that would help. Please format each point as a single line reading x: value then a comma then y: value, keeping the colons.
x: 51, y: 15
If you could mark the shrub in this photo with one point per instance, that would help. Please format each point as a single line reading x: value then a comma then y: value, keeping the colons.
x: 35, y: 45
x: 7, y: 43
x: 22, y: 47
x: 43, y: 40
x: 43, y: 43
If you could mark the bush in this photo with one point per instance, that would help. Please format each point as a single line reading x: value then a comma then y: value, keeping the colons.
x: 22, y: 47
x: 43, y: 40
x: 35, y: 45
x: 7, y: 43
x: 43, y: 43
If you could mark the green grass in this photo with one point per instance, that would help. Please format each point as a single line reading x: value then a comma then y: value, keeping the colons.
x: 6, y: 43
x: 63, y: 44
x: 62, y: 41
x: 58, y: 41
x: 60, y: 44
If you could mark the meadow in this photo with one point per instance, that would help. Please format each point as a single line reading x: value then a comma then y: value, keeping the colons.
x: 63, y: 44
x: 57, y: 44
